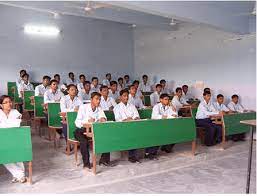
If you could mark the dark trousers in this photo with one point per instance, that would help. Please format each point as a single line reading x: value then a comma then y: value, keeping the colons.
x: 132, y: 153
x: 213, y: 132
x: 152, y: 150
x: 167, y: 147
x: 105, y: 157
x: 64, y: 130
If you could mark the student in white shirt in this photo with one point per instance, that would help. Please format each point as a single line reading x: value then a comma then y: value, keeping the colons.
x: 113, y: 92
x: 219, y: 106
x: 144, y: 85
x: 53, y: 94
x: 138, y: 92
x: 82, y: 79
x: 94, y: 85
x: 71, y: 79
x: 155, y: 96
x: 185, y: 95
x: 125, y: 111
x: 19, y: 80
x: 85, y: 94
x: 165, y: 89
x: 25, y: 85
x: 177, y: 100
x: 107, y: 80
x: 120, y: 84
x: 134, y: 98
x: 62, y: 87
x: 161, y: 110
x: 107, y: 103
x: 42, y: 88
x: 11, y: 118
x: 127, y: 81
x: 88, y: 113
x: 205, y: 110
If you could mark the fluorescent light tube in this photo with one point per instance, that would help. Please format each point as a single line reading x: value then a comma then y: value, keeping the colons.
x: 41, y: 30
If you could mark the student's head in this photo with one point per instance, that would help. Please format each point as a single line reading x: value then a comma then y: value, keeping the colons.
x: 206, y: 89
x: 220, y: 98
x: 235, y: 98
x: 120, y: 80
x: 113, y: 86
x: 145, y: 78
x: 207, y: 96
x: 72, y: 90
x: 108, y: 76
x: 126, y: 78
x: 95, y: 99
x: 57, y: 77
x: 136, y: 83
x: 22, y: 72
x: 179, y: 92
x: 158, y: 88
x: 95, y: 81
x: 71, y: 75
x: 54, y: 84
x: 87, y: 86
x: 104, y: 91
x: 164, y: 99
x: 46, y: 80
x: 132, y: 89
x: 163, y: 83
x: 82, y: 78
x: 185, y: 88
x: 124, y: 96
x: 6, y: 103
x: 25, y: 78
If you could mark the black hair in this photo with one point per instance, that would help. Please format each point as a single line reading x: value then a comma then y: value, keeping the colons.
x: 206, y: 89
x: 56, y: 75
x: 46, y: 77
x: 219, y: 95
x: 71, y: 85
x: 23, y: 70
x: 52, y: 81
x: 163, y: 95
x: 126, y: 76
x: 162, y: 81
x: 102, y: 87
x: 113, y: 82
x: 185, y: 86
x: 3, y: 97
x: 95, y: 94
x: 234, y: 96
x: 94, y: 78
x: 206, y: 93
x: 158, y: 85
x: 135, y: 81
x: 120, y: 78
x: 71, y: 73
x: 25, y: 75
x: 82, y: 75
x: 124, y: 91
x: 144, y: 76
x: 178, y: 89
x: 86, y: 82
x: 108, y: 74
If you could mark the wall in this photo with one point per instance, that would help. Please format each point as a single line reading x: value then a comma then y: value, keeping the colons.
x: 198, y: 53
x: 92, y: 47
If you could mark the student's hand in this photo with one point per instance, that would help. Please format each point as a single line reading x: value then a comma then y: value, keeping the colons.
x: 174, y: 115
x: 221, y: 113
x: 173, y: 108
x: 91, y: 120
x: 137, y: 118
x: 76, y: 109
x: 102, y: 120
x: 164, y: 116
x: 128, y: 119
x: 111, y: 108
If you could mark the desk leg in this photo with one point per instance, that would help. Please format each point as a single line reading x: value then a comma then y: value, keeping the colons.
x: 249, y: 162
x: 223, y: 138
x: 193, y: 147
x: 30, y: 172
x: 94, y: 163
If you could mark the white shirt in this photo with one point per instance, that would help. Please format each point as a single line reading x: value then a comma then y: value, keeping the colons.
x: 50, y: 97
x: 106, y: 104
x: 68, y: 105
x: 40, y: 90
x: 220, y: 107
x: 204, y: 110
x: 12, y: 120
x: 85, y: 113
x: 95, y: 89
x: 159, y: 110
x: 186, y: 97
x: 155, y: 98
x: 144, y: 87
x: 18, y: 81
x: 166, y: 90
x: 119, y: 87
x: 106, y: 82
x: 126, y: 85
x: 85, y: 97
x: 235, y: 107
x: 177, y: 102
x: 114, y: 95
x: 80, y: 86
x: 136, y: 101
x: 25, y: 87
x: 139, y: 93
x: 69, y: 81
x: 122, y: 112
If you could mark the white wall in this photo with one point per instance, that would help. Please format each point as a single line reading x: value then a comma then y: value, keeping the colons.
x: 92, y: 47
x: 226, y: 67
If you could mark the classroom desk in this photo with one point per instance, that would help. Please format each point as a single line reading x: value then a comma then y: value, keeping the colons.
x: 252, y: 124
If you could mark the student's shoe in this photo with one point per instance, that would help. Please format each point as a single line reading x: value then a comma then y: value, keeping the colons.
x: 23, y: 180
x: 87, y: 166
x: 133, y: 160
x: 107, y: 164
x: 151, y: 157
x: 14, y: 180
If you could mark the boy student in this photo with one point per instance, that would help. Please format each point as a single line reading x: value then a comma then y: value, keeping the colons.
x: 61, y: 86
x: 106, y: 103
x: 155, y: 96
x: 25, y: 85
x: 107, y: 80
x: 94, y: 85
x: 185, y: 95
x: 213, y: 132
x: 127, y: 81
x: 11, y: 118
x: 80, y: 85
x: 138, y: 92
x: 120, y: 84
x: 161, y: 110
x: 88, y: 113
x: 177, y: 100
x: 144, y: 85
x: 53, y: 94
x: 71, y: 79
x: 134, y: 99
x: 125, y: 111
x: 85, y: 94
x: 19, y: 80
x: 113, y: 91
x: 219, y: 106
x: 164, y: 87
x: 42, y: 88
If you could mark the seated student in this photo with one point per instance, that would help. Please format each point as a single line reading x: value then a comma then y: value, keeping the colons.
x: 161, y: 110
x: 219, y: 106
x: 106, y: 103
x: 134, y: 99
x: 120, y: 84
x: 94, y: 85
x: 165, y: 89
x: 69, y: 103
x: 107, y: 80
x: 19, y: 80
x: 155, y: 96
x: 42, y: 88
x: 11, y: 118
x: 25, y: 85
x: 53, y: 94
x: 213, y: 132
x: 207, y: 89
x: 185, y: 95
x: 61, y: 86
x: 88, y: 113
x: 138, y: 92
x: 177, y: 100
x: 85, y: 94
x: 113, y: 91
x: 82, y: 79
x: 127, y: 81
x: 125, y: 111
x: 145, y: 86
x: 71, y: 79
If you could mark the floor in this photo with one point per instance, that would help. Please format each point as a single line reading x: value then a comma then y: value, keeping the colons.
x: 212, y: 170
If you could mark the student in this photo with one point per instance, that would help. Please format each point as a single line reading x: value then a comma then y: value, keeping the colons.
x: 85, y: 94
x: 61, y: 86
x: 113, y: 91
x: 53, y: 94
x: 88, y: 113
x: 213, y: 132
x: 42, y: 88
x: 219, y: 106
x: 125, y: 111
x: 134, y: 99
x: 161, y: 110
x: 127, y: 81
x: 107, y: 80
x: 177, y: 100
x: 107, y: 103
x: 71, y: 79
x: 155, y: 96
x: 69, y: 103
x: 138, y: 92
x: 11, y: 118
x: 82, y: 79
x: 25, y: 85
x: 19, y: 80
x: 120, y: 84
x: 164, y: 87
x: 145, y: 86
x: 94, y: 85
x: 185, y: 95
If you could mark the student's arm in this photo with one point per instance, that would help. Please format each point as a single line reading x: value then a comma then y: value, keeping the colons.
x: 135, y: 113
x: 172, y: 113
x: 63, y: 105
x: 113, y: 102
x: 155, y: 113
x: 117, y: 114
x: 81, y: 119
x: 101, y: 115
x: 152, y: 100
x: 141, y: 105
x: 36, y: 91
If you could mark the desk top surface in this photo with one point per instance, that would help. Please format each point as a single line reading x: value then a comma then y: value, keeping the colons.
x: 249, y: 122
